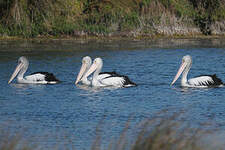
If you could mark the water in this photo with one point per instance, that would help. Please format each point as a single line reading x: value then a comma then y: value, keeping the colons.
x: 49, y: 115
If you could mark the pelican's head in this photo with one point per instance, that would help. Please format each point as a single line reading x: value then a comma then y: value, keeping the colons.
x: 98, y: 61
x: 187, y: 59
x: 21, y: 67
x: 97, y: 64
x: 86, y: 63
x: 186, y: 63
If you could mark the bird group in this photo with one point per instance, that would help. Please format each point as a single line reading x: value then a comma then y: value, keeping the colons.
x: 105, y: 79
x: 99, y: 79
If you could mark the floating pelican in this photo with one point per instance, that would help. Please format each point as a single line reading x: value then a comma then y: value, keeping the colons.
x: 86, y: 64
x: 202, y: 81
x: 110, y: 79
x: 34, y: 78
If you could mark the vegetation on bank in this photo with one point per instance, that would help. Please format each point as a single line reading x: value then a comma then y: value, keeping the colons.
x: 34, y: 18
x: 157, y: 133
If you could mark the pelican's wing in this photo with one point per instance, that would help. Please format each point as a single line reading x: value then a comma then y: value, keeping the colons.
x: 103, y: 75
x: 37, y: 77
x: 42, y: 77
x: 205, y: 80
x: 113, y: 81
x: 100, y: 77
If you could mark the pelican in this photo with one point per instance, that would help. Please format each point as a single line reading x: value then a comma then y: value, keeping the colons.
x: 34, y: 78
x: 86, y: 64
x: 113, y: 79
x: 202, y: 81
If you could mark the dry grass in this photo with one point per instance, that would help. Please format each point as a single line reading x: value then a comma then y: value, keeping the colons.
x: 157, y: 133
x: 168, y: 135
x: 161, y: 132
x: 8, y: 141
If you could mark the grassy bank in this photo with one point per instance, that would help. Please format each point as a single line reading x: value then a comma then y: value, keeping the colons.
x: 111, y: 18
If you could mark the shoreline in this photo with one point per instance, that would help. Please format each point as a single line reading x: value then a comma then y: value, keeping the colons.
x: 109, y: 38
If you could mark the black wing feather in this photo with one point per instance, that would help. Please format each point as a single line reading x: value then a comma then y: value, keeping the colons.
x: 112, y: 74
x: 216, y: 81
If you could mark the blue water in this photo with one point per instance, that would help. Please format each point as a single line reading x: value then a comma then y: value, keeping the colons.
x: 49, y: 115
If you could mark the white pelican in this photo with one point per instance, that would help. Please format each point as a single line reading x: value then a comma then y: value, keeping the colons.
x: 113, y: 79
x: 202, y: 81
x: 86, y: 64
x: 34, y: 78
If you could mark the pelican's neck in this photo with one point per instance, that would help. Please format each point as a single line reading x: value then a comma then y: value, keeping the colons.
x: 86, y: 81
x: 184, y: 81
x: 95, y: 81
x: 22, y: 71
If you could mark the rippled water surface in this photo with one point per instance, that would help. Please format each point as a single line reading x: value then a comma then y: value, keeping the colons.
x: 50, y: 114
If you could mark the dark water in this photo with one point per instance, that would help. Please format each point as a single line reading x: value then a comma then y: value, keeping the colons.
x: 48, y: 115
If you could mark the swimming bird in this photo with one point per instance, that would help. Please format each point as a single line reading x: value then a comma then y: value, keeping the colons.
x: 112, y: 79
x: 34, y: 78
x: 202, y: 81
x: 86, y: 64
